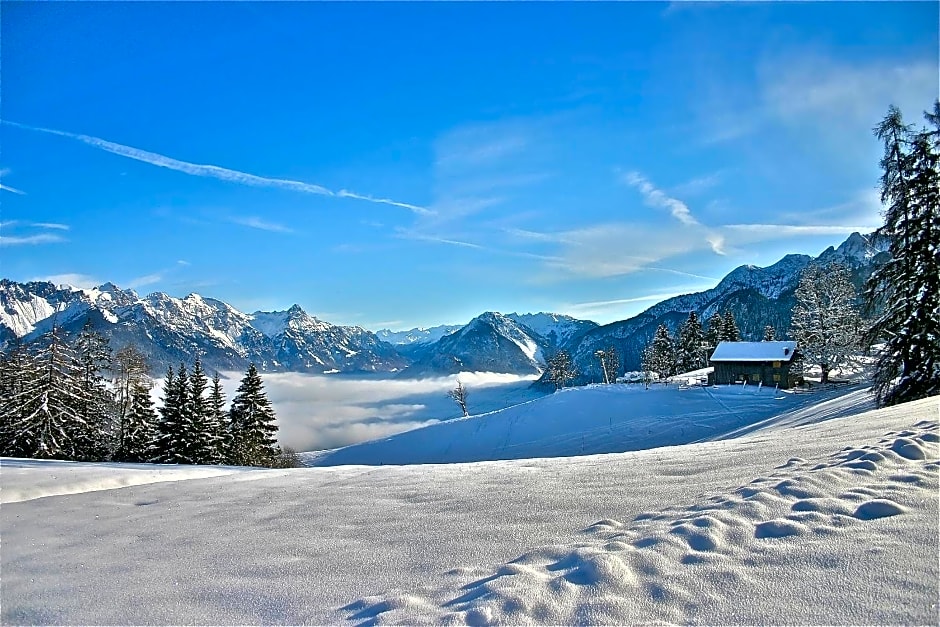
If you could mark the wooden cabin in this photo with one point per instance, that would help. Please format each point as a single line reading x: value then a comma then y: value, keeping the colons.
x: 769, y: 363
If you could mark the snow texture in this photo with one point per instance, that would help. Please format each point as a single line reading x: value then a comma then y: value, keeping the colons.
x: 806, y: 519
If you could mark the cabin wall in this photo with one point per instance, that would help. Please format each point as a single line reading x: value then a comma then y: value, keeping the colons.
x: 772, y: 373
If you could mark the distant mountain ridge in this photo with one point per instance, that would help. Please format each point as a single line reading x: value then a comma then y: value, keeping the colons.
x: 757, y: 297
x: 169, y: 330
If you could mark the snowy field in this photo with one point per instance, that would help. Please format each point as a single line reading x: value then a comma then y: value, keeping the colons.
x: 810, y: 514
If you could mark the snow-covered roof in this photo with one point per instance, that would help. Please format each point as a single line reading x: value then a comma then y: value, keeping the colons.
x: 754, y: 351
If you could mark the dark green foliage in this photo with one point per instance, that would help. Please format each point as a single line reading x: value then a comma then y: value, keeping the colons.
x: 729, y: 328
x: 218, y: 422
x: 906, y: 289
x: 770, y: 334
x: 691, y: 345
x: 139, y: 427
x: 713, y: 335
x: 661, y: 357
x: 559, y: 370
x: 252, y: 423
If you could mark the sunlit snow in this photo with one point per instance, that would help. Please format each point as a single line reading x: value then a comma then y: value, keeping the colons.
x: 817, y: 514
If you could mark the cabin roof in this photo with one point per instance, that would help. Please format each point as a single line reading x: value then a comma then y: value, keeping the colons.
x: 754, y: 351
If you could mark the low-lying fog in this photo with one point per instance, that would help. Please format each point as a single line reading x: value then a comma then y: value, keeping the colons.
x: 327, y: 411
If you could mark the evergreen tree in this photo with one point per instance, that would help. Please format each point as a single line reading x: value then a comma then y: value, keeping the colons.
x: 770, y: 333
x: 140, y: 427
x: 45, y: 419
x: 202, y: 439
x: 560, y: 370
x: 218, y: 422
x: 96, y: 407
x: 825, y: 323
x: 690, y: 345
x: 713, y: 335
x: 254, y: 439
x: 169, y: 446
x: 907, y: 288
x: 729, y: 328
x: 662, y: 358
x: 17, y: 367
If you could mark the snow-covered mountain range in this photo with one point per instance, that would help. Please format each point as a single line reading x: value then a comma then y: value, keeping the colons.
x: 169, y: 330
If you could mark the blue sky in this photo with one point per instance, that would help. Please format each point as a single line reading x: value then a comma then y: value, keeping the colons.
x: 395, y: 165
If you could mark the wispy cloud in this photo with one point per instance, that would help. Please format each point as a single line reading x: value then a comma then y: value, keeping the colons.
x: 791, y: 230
x: 30, y: 240
x: 262, y: 225
x: 608, y: 306
x: 422, y: 237
x: 7, y: 188
x: 698, y: 184
x: 657, y: 198
x: 74, y: 279
x: 147, y: 279
x: 217, y: 172
x: 51, y: 225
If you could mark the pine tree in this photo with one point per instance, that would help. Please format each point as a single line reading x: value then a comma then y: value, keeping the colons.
x: 218, y: 422
x: 202, y: 440
x: 97, y: 405
x: 690, y: 345
x: 169, y: 445
x: 662, y: 358
x: 713, y: 335
x: 907, y: 288
x: 729, y: 328
x: 17, y: 367
x: 254, y: 439
x: 560, y: 370
x: 825, y: 322
x: 140, y: 428
x: 48, y: 420
x: 770, y: 333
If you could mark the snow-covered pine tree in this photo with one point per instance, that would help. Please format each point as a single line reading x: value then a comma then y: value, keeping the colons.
x: 690, y: 345
x: 560, y: 370
x: 729, y: 328
x: 97, y: 408
x: 218, y: 421
x: 169, y: 446
x: 202, y: 440
x: 663, y: 353
x: 49, y: 424
x: 713, y: 334
x: 140, y: 426
x: 17, y: 367
x: 907, y: 288
x: 770, y: 333
x: 254, y: 440
x: 825, y: 323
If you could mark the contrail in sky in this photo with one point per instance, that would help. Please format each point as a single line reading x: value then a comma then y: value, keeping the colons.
x: 214, y: 171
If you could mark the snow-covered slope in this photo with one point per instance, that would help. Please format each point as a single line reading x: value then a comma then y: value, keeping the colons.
x: 170, y: 330
x: 582, y: 421
x: 813, y: 519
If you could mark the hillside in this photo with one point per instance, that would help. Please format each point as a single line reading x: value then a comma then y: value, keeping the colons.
x: 815, y: 519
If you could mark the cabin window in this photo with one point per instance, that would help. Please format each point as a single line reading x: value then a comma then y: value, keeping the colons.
x: 776, y: 378
x: 776, y: 364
